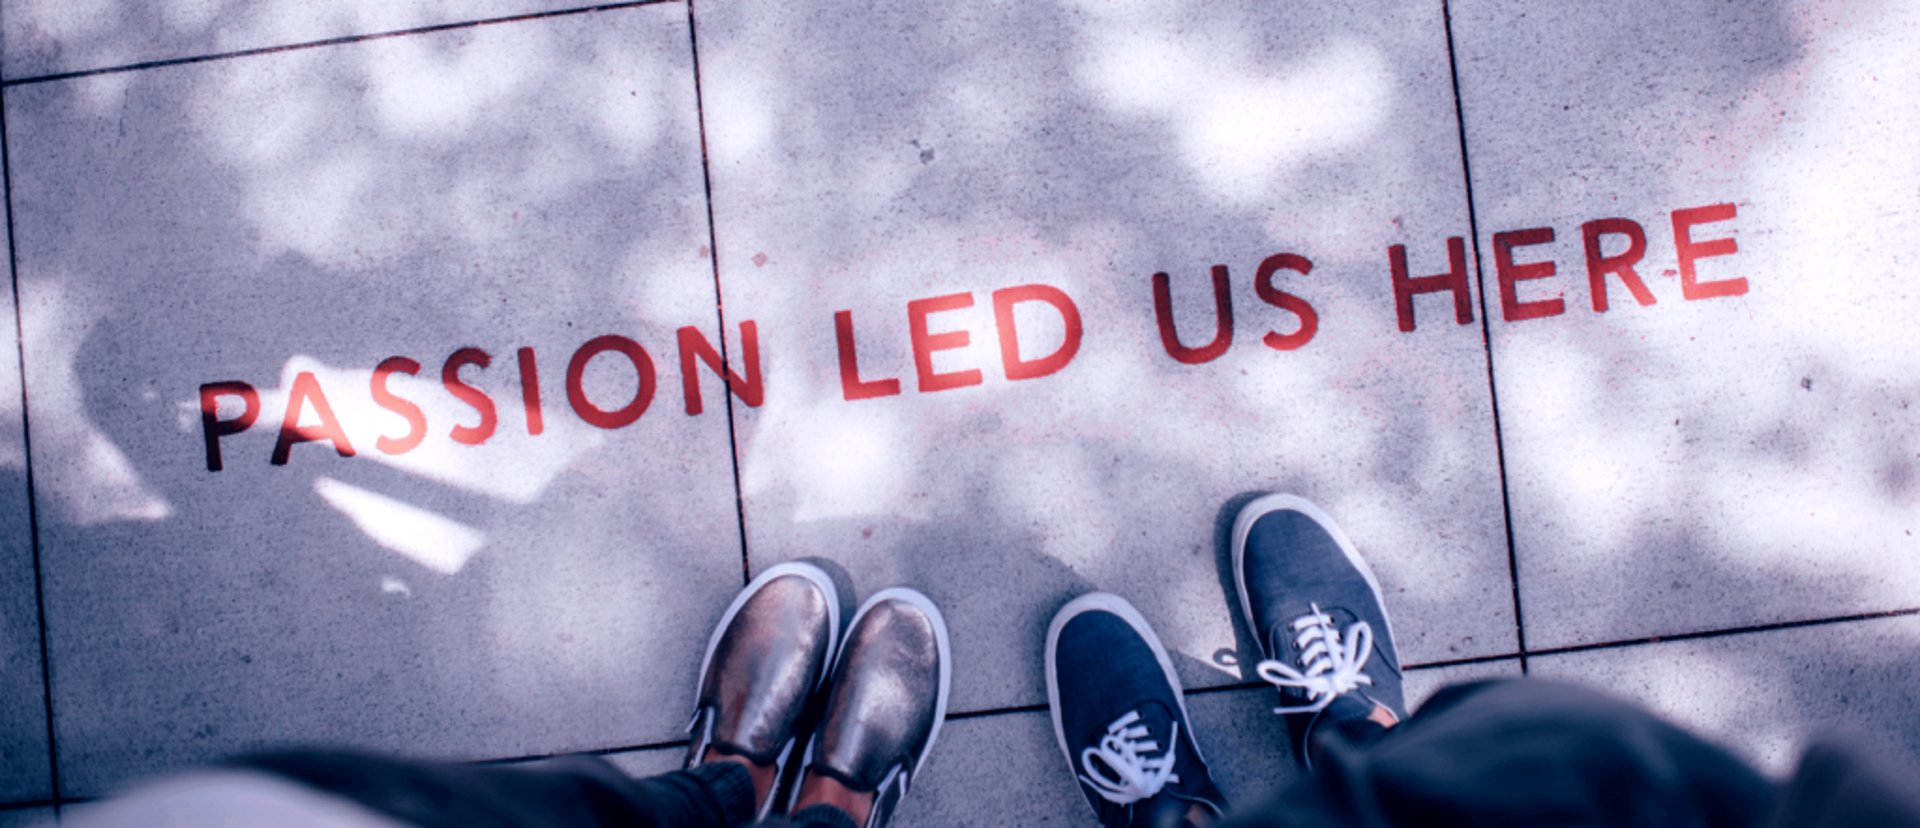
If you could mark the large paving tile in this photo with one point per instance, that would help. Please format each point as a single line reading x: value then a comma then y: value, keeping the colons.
x: 1768, y: 694
x: 43, y: 37
x: 1423, y: 682
x: 863, y: 163
x: 27, y: 818
x: 1736, y: 457
x: 291, y: 221
x: 24, y: 770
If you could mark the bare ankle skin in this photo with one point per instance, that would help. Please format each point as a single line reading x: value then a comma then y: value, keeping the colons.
x: 1383, y: 716
x: 821, y: 790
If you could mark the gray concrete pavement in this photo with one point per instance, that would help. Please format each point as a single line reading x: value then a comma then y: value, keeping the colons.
x: 453, y: 289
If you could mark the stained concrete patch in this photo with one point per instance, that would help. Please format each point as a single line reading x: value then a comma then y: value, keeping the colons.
x: 905, y: 164
x: 290, y: 222
x: 24, y: 768
x: 1747, y: 451
x: 1769, y: 694
x: 45, y: 37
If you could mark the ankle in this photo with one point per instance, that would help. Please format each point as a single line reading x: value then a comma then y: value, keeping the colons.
x: 1353, y: 730
x: 1383, y: 716
x: 763, y: 775
x: 822, y: 790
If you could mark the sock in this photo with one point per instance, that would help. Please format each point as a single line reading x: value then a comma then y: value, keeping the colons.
x: 732, y: 787
x: 1348, y: 716
x: 822, y: 815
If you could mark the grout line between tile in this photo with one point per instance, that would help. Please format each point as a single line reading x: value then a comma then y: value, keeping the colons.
x: 31, y: 803
x: 535, y: 757
x: 1486, y: 337
x: 1726, y: 631
x: 331, y: 41
x: 719, y: 299
x: 26, y: 444
x: 996, y: 711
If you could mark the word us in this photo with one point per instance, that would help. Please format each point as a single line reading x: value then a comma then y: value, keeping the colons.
x: 926, y: 337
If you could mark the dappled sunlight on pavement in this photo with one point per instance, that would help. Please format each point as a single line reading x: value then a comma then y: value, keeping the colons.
x: 423, y: 376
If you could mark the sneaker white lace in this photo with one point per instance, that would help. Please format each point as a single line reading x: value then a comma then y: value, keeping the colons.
x: 1118, y: 768
x: 1330, y: 662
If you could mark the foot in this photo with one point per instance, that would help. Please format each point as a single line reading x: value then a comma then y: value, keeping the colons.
x: 1121, y: 718
x: 885, y: 705
x: 765, y: 660
x: 1322, y: 626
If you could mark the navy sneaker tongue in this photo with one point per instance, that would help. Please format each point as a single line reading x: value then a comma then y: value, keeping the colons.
x: 1158, y: 718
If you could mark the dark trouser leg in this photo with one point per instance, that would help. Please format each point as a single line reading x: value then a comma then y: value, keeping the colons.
x: 1524, y: 753
x: 570, y: 791
x: 817, y: 816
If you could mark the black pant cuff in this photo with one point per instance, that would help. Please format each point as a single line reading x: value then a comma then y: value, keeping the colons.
x: 822, y: 815
x: 732, y: 788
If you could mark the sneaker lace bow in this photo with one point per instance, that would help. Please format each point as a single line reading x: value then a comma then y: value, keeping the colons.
x: 1118, y: 768
x: 1331, y: 662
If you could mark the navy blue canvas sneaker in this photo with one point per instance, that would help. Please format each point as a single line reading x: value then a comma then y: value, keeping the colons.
x: 1121, y: 718
x: 1316, y: 610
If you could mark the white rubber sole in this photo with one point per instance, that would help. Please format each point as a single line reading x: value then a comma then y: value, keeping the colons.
x: 1268, y: 504
x: 1106, y: 602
